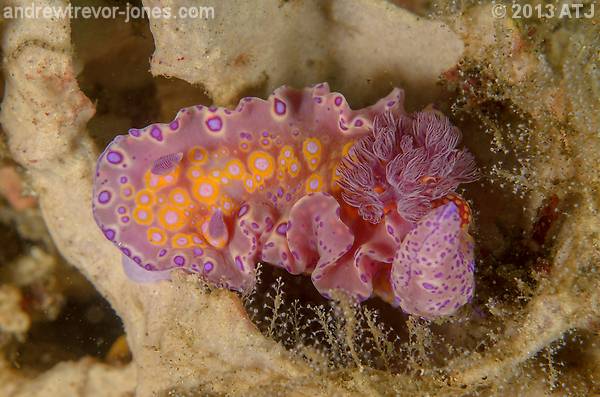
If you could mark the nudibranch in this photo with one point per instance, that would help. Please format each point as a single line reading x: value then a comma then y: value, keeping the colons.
x: 363, y: 201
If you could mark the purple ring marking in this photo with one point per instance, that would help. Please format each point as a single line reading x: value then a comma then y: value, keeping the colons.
x: 110, y: 234
x: 114, y: 157
x: 280, y: 107
x: 214, y: 123
x: 282, y: 228
x: 104, y: 197
x: 243, y: 210
x: 156, y: 133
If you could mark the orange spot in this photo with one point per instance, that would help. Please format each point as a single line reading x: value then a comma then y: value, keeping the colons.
x: 235, y: 169
x: 194, y: 172
x: 197, y: 155
x: 126, y: 192
x: 181, y: 240
x: 244, y: 146
x: 261, y: 163
x: 145, y: 198
x: 314, y: 183
x: 265, y: 142
x: 227, y: 205
x: 286, y: 156
x: 280, y: 174
x: 158, y: 182
x: 143, y: 215
x: 180, y: 197
x: 294, y: 168
x: 311, y: 149
x: 172, y: 218
x: 205, y: 190
x: 156, y: 236
x: 249, y: 184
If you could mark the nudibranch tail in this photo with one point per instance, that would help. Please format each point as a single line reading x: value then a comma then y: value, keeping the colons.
x: 300, y: 181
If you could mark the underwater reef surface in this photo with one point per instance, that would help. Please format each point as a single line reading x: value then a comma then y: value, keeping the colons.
x: 523, y: 93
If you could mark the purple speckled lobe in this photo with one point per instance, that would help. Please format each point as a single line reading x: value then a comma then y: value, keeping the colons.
x: 434, y: 265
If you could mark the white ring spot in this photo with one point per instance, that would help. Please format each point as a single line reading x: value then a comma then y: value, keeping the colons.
x: 261, y: 164
x: 171, y: 217
x: 234, y: 169
x: 312, y: 147
x: 206, y: 190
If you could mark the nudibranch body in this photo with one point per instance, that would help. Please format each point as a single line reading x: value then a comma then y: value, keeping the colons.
x: 362, y: 200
